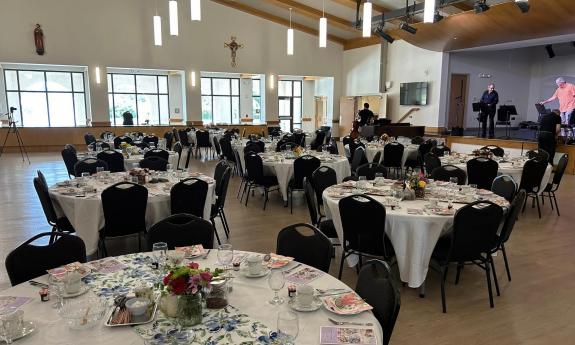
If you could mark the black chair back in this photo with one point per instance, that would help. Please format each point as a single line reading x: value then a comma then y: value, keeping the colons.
x: 151, y: 139
x: 29, y: 261
x: 393, y: 155
x: 363, y: 223
x: 71, y: 148
x: 178, y: 149
x: 318, y: 141
x: 346, y: 140
x: 189, y: 196
x: 70, y: 159
x: 299, y: 138
x: 45, y: 200
x: 331, y: 147
x: 303, y: 167
x: 370, y: 169
x: 183, y: 136
x: 440, y: 151
x: 114, y: 159
x: 181, y: 230
x: 322, y: 178
x: 559, y: 171
x: 203, y: 138
x: 239, y: 167
x: 254, y: 167
x: 376, y: 286
x: 89, y: 165
x: 222, y: 187
x: 124, y: 206
x: 158, y: 153
x: 141, y: 144
x: 154, y: 163
x: 253, y: 147
x: 358, y: 158
x: 353, y: 145
x: 217, y: 146
x: 98, y: 143
x: 496, y: 150
x: 539, y: 154
x: 306, y: 244
x: 417, y: 140
x: 105, y: 134
x: 512, y: 216
x: 311, y: 199
x: 532, y: 175
x: 89, y: 138
x: 219, y: 172
x: 227, y: 149
x: 445, y: 172
x: 169, y: 137
x: 482, y: 171
x: 118, y: 141
x: 424, y: 148
x: 504, y: 186
x: 431, y: 162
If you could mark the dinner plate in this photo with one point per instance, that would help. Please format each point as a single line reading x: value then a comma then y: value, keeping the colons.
x: 315, y: 304
x: 246, y: 272
x: 83, y: 289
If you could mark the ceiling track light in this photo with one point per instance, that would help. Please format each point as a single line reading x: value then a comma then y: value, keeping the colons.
x: 379, y: 31
x: 480, y: 6
x: 523, y: 5
x: 406, y: 27
x: 290, y: 36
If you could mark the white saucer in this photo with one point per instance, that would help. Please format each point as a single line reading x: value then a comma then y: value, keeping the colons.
x: 83, y: 289
x: 246, y: 272
x: 315, y: 304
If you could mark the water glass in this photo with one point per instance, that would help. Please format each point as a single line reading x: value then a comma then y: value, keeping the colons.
x: 288, y: 326
x: 454, y: 180
x: 169, y: 168
x: 160, y: 252
x: 225, y: 255
x: 99, y: 170
x: 56, y: 283
x: 276, y: 282
x: 473, y: 186
x: 10, y: 324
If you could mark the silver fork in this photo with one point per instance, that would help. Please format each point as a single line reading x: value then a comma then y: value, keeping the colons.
x: 205, y: 256
x: 343, y: 323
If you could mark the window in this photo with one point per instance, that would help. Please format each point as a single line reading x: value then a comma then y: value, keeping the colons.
x: 146, y: 97
x: 257, y: 101
x: 220, y: 100
x: 290, y: 104
x: 46, y: 98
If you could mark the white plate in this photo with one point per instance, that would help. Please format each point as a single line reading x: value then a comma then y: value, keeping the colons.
x: 246, y: 272
x: 27, y: 328
x: 83, y: 289
x: 315, y: 304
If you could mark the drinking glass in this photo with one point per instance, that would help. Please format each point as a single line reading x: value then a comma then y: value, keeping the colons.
x: 10, y: 324
x: 225, y: 255
x: 378, y: 175
x: 85, y: 174
x: 397, y: 195
x: 473, y: 186
x: 288, y: 326
x: 56, y: 283
x: 160, y: 251
x: 99, y: 170
x: 276, y: 282
x: 453, y: 180
x: 169, y: 168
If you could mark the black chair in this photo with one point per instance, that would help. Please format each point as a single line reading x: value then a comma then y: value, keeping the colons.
x: 322, y: 178
x: 318, y: 141
x: 358, y: 159
x: 177, y: 147
x: 217, y: 209
x: 350, y: 178
x: 105, y: 134
x: 417, y: 140
x: 185, y: 142
x: 505, y: 233
x: 306, y: 244
x: 552, y: 187
x: 158, y: 153
x: 256, y: 178
x: 346, y: 140
x: 474, y: 232
x: 72, y: 148
x: 29, y: 261
x: 326, y: 226
x: 217, y: 147
x: 352, y: 146
x: 70, y: 159
x: 89, y: 138
x: 445, y: 172
x: 141, y: 144
x: 154, y: 163
x: 89, y: 165
x: 363, y: 223
x: 274, y: 131
x: 539, y: 154
x: 151, y: 139
x: 118, y: 201
x: 182, y: 230
x: 228, y: 153
x: 169, y: 137
x: 331, y: 147
x: 57, y: 223
x: 98, y: 144
x: 253, y: 147
x: 504, y: 186
x: 203, y: 142
x: 376, y: 286
x: 393, y: 157
x: 531, y: 178
x: 370, y: 169
x: 431, y: 162
x: 440, y: 151
x: 189, y: 196
x: 118, y: 141
x: 303, y: 168
x: 482, y: 171
x: 242, y: 174
x: 377, y: 157
x: 114, y: 159
x: 299, y: 138
x: 496, y: 150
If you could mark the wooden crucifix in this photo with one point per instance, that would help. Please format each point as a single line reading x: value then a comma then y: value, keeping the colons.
x: 234, y: 46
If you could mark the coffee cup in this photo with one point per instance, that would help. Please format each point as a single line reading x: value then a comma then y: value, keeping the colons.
x: 254, y: 264
x: 305, y: 295
x: 73, y: 282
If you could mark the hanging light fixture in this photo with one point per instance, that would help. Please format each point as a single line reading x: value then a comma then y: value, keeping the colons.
x: 157, y: 28
x: 290, y: 36
x: 367, y: 8
x: 429, y: 11
x: 323, y: 28
x: 196, y: 10
x: 97, y: 74
x: 173, y: 9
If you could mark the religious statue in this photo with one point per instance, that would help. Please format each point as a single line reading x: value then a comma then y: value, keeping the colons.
x: 39, y: 40
x: 234, y: 46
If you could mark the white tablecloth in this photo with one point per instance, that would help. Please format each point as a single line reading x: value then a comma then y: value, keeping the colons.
x: 87, y: 216
x: 249, y: 295
x: 172, y: 159
x: 409, y: 152
x: 413, y: 236
x: 284, y: 170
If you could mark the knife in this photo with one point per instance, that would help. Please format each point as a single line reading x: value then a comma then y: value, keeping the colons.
x: 291, y: 269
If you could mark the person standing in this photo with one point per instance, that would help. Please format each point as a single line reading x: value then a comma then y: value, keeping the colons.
x: 365, y: 115
x: 565, y: 93
x: 490, y: 98
x: 550, y: 126
x: 128, y: 119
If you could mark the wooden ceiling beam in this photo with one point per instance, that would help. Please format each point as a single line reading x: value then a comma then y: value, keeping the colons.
x: 353, y: 4
x: 273, y: 18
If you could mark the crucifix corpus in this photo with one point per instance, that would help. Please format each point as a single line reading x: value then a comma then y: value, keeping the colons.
x: 234, y: 46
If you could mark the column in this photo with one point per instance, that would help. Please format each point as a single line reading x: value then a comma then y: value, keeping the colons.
x: 99, y: 107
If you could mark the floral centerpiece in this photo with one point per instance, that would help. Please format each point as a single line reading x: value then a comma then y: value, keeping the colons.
x: 384, y: 138
x: 187, y: 283
x: 482, y: 153
x: 140, y: 174
x: 417, y: 183
x: 298, y: 151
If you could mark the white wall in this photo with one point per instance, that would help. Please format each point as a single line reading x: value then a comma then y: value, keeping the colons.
x: 120, y: 34
x: 361, y: 71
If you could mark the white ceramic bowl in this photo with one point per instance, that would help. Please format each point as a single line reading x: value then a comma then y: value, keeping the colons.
x: 137, y: 306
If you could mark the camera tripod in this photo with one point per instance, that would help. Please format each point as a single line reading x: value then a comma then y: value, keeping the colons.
x: 12, y: 128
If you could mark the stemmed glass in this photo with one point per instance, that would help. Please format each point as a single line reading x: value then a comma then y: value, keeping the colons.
x: 160, y: 252
x: 454, y: 180
x: 56, y: 283
x: 288, y: 326
x: 276, y: 282
x: 225, y: 255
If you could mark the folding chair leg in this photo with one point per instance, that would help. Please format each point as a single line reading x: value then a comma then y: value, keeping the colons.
x: 341, y: 266
x: 459, y: 268
x: 291, y: 199
x: 524, y: 204
x: 550, y: 201
x: 538, y: 208
x: 443, y: 279
x: 506, y: 262
x: 494, y: 275
x: 216, y: 231
x: 556, y: 206
x: 188, y: 157
x: 488, y: 276
x: 266, y: 197
x: 248, y: 196
x: 224, y: 223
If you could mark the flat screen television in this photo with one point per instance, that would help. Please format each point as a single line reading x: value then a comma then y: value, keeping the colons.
x: 413, y: 93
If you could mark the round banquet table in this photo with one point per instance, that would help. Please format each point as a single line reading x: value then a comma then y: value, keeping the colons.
x: 129, y: 162
x: 249, y: 298
x: 87, y: 216
x: 409, y: 152
x: 412, y: 234
x: 275, y: 164
x: 240, y: 145
x: 513, y: 168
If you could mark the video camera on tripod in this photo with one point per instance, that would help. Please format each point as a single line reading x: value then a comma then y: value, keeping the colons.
x: 12, y: 128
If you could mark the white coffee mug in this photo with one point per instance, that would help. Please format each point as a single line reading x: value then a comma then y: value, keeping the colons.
x: 305, y: 295
x: 254, y: 264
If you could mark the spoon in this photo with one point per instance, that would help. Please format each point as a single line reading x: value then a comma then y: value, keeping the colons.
x: 342, y: 323
x: 205, y: 256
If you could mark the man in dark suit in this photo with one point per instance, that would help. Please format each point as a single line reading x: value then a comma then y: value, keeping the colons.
x: 365, y: 115
x: 490, y: 98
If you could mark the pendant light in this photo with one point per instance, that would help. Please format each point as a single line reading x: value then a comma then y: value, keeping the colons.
x: 367, y: 9
x: 196, y: 10
x: 290, y: 36
x: 323, y: 28
x: 173, y: 10
x: 157, y: 28
x: 429, y: 11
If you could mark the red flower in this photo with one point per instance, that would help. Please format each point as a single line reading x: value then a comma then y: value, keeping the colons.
x: 206, y: 276
x: 179, y: 286
x: 194, y: 265
x: 167, y: 278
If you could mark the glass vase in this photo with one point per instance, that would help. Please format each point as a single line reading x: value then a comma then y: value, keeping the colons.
x: 189, y: 310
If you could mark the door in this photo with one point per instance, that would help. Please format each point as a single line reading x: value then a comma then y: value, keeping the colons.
x: 457, y: 100
x: 285, y: 114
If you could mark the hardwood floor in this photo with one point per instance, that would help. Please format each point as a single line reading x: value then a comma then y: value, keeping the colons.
x: 536, y: 307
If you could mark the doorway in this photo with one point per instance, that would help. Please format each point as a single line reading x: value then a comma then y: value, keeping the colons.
x: 457, y: 100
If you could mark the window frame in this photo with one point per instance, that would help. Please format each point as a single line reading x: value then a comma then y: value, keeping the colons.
x: 46, y: 92
x: 291, y: 99
x: 230, y: 96
x: 259, y: 96
x: 136, y: 94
